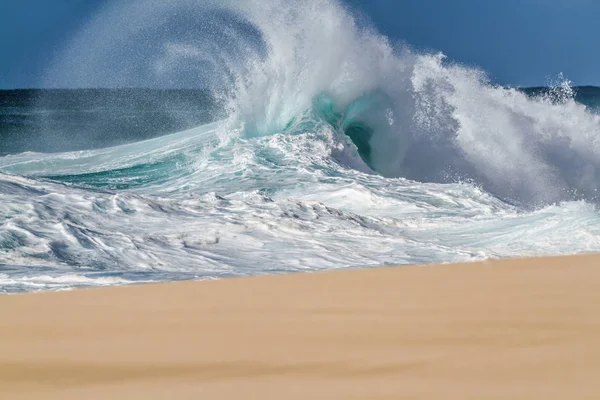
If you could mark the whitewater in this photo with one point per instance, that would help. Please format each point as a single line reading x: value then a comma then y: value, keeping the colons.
x: 334, y: 147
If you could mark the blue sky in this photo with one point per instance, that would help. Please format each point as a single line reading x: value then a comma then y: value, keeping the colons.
x: 518, y: 42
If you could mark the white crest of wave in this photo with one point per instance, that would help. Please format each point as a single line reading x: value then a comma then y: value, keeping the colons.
x: 441, y: 121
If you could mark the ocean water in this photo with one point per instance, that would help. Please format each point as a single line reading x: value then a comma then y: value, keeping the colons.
x: 318, y: 144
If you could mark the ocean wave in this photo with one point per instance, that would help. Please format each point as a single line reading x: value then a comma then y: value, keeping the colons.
x: 337, y: 148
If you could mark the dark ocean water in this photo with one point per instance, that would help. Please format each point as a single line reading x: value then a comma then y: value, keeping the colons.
x: 588, y: 95
x: 67, y: 120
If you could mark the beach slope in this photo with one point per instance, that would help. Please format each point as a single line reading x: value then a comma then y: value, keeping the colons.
x: 515, y: 329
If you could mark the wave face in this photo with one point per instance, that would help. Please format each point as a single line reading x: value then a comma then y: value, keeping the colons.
x: 328, y: 146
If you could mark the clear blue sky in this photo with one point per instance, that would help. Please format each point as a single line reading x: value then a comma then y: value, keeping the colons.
x: 518, y: 42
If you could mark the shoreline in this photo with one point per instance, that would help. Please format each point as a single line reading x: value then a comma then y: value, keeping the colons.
x: 522, y: 328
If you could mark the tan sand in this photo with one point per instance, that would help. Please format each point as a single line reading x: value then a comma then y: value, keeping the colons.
x: 498, y: 330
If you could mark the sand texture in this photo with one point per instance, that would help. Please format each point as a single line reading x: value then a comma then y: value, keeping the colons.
x: 520, y: 329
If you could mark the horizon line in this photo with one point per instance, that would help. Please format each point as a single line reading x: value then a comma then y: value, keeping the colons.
x: 207, y: 88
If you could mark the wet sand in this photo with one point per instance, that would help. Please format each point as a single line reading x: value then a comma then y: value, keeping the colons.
x: 517, y: 329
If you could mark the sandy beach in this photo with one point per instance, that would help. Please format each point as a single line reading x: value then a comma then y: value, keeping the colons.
x: 517, y: 329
